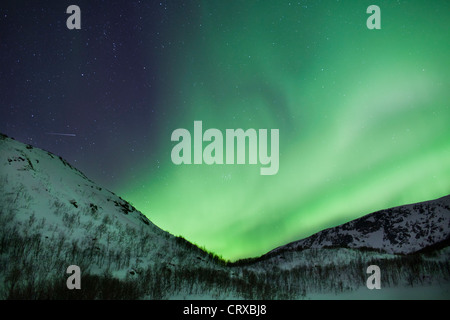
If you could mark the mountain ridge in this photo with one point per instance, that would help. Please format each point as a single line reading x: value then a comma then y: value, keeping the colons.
x: 398, y: 230
x: 357, y: 233
x: 38, y: 185
x: 52, y: 216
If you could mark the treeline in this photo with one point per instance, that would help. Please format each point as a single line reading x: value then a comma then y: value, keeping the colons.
x: 39, y: 272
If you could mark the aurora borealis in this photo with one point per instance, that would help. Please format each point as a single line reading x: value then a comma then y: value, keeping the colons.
x: 363, y: 115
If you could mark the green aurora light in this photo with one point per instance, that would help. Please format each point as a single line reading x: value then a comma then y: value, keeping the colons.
x: 363, y: 117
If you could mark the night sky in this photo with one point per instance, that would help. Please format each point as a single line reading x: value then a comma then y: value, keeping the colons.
x: 363, y: 114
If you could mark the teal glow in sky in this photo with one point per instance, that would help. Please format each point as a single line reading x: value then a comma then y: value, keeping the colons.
x: 363, y: 117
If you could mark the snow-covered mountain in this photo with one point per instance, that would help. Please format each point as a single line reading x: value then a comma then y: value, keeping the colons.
x: 34, y: 180
x: 53, y: 216
x: 400, y: 230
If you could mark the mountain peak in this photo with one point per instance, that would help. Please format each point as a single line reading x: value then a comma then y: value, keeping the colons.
x: 399, y: 230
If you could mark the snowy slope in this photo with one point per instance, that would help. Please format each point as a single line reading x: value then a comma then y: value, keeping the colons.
x: 45, y: 181
x: 400, y: 230
x: 53, y: 216
x: 44, y: 196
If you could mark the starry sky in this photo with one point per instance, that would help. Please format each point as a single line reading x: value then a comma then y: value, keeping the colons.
x: 362, y: 114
